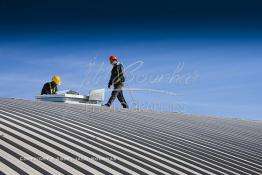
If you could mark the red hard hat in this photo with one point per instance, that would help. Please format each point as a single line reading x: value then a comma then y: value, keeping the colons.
x: 112, y: 58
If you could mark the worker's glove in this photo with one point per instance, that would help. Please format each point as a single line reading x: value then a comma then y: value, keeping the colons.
x: 109, y: 85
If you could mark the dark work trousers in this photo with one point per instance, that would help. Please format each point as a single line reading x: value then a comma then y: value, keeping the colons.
x: 118, y: 92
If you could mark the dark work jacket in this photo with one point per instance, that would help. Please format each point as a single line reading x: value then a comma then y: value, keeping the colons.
x: 49, y: 88
x: 117, y: 74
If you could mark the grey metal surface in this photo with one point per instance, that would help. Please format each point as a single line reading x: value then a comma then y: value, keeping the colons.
x: 56, y: 138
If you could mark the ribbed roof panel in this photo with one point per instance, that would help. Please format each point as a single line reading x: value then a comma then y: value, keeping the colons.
x: 56, y: 138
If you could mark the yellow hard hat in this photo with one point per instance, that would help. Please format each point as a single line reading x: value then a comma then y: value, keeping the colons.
x: 56, y: 79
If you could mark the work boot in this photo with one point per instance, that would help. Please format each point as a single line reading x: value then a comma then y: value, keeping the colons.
x: 125, y: 106
x: 106, y: 105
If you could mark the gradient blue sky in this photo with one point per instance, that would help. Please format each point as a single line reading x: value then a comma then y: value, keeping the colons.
x: 219, y: 45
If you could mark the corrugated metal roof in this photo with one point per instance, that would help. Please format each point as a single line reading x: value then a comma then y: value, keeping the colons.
x: 56, y: 138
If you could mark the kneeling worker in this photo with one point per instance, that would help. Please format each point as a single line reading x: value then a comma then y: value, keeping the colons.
x: 117, y: 79
x: 51, y: 87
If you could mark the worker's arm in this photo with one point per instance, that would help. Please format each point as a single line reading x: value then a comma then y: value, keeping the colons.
x: 111, y: 79
x: 119, y: 77
x: 45, y: 89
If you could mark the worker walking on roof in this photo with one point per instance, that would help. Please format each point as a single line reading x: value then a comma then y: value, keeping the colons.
x: 51, y: 87
x: 117, y: 79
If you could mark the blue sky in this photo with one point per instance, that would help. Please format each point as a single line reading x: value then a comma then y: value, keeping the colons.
x: 217, y: 64
x: 223, y: 74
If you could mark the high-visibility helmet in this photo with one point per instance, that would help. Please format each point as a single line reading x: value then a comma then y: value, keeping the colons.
x: 112, y: 58
x: 56, y: 79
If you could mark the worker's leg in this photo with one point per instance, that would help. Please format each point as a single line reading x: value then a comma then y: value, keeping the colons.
x: 121, y: 98
x: 114, y: 94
